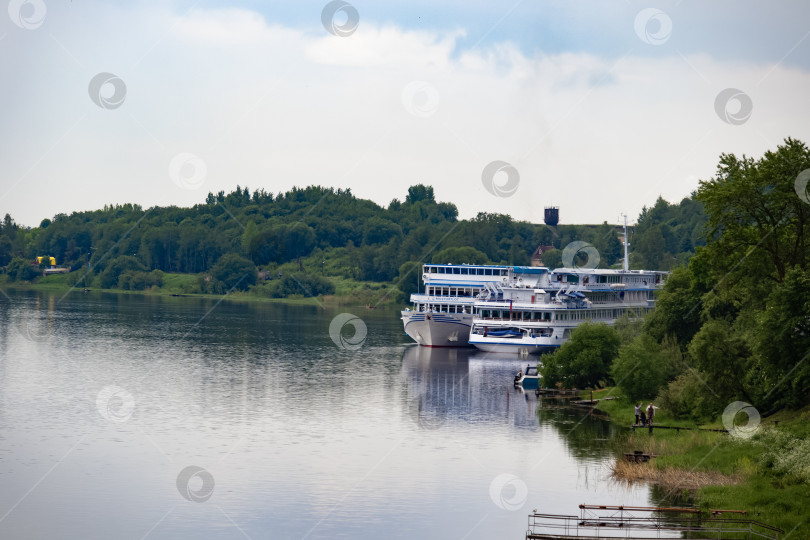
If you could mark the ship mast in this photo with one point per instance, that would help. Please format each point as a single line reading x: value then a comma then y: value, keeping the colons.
x: 626, y: 243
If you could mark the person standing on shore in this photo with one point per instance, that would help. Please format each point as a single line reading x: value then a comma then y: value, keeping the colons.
x: 650, y: 413
x: 638, y: 413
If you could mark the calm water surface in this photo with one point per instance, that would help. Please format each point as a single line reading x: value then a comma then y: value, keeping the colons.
x: 107, y: 400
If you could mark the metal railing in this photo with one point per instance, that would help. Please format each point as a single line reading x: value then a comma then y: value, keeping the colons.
x: 646, y: 522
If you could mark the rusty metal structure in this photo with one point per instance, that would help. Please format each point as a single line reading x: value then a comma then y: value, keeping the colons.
x: 642, y: 522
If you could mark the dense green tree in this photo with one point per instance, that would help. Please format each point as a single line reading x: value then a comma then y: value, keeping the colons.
x: 305, y: 285
x: 234, y: 272
x: 753, y: 205
x: 783, y: 340
x: 678, y: 308
x: 409, y: 279
x: 688, y: 396
x: 119, y: 265
x: 584, y: 360
x: 133, y: 280
x: 643, y: 367
x: 460, y: 255
x: 6, y: 250
x: 739, y: 310
x: 552, y: 258
x: 20, y: 269
x: 419, y: 192
x: 380, y: 231
x: 361, y: 239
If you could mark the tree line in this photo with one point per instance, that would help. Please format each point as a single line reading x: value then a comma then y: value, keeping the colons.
x: 733, y: 323
x: 315, y: 235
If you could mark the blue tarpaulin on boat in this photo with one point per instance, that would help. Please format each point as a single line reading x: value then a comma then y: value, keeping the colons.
x: 503, y: 333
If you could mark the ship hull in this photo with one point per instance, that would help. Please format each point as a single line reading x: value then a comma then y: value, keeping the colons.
x: 513, y: 347
x: 438, y: 329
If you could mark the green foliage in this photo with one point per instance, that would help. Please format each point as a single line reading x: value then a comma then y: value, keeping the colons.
x: 677, y: 308
x: 409, y: 278
x: 627, y: 329
x: 20, y: 269
x: 667, y: 234
x: 687, y: 396
x: 739, y: 310
x: 785, y: 454
x: 722, y: 354
x: 297, y: 284
x: 784, y: 337
x: 359, y: 239
x: 280, y: 243
x: 419, y: 192
x: 644, y: 366
x: 11, y: 240
x: 231, y: 272
x: 119, y: 265
x: 460, y: 255
x: 380, y: 231
x: 134, y: 280
x: 553, y: 258
x: 584, y: 360
x: 752, y: 204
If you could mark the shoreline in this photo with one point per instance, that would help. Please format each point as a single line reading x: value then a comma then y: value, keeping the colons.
x: 717, y: 470
x: 319, y: 301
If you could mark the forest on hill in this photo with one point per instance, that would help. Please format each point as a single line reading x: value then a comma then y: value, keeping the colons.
x: 306, y: 238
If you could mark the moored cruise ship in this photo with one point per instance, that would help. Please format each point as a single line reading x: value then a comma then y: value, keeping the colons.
x: 442, y: 314
x: 526, y: 319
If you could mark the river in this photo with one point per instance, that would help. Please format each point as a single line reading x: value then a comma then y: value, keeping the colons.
x: 136, y: 416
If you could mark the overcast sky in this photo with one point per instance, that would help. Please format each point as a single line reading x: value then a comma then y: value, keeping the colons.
x: 597, y: 107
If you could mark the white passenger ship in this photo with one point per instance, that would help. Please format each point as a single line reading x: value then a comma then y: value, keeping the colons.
x: 442, y: 314
x: 532, y: 318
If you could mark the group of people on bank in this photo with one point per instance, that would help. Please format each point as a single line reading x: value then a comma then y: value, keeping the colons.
x: 645, y: 415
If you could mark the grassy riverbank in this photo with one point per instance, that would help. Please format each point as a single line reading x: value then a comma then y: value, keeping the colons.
x: 348, y: 292
x: 766, y: 474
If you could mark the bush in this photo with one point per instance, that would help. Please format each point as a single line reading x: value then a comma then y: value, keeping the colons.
x: 460, y: 255
x: 297, y: 284
x: 20, y: 269
x: 688, y: 397
x: 233, y: 271
x: 138, y: 281
x: 584, y: 360
x: 644, y: 366
x: 305, y: 285
x: 119, y: 265
x: 785, y: 454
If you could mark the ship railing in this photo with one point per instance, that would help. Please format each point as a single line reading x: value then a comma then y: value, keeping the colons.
x: 477, y: 318
x: 442, y: 298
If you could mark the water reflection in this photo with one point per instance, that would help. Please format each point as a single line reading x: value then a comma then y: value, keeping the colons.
x: 447, y: 386
x: 303, y: 438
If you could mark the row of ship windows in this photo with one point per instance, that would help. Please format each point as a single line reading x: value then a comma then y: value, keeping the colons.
x: 452, y: 291
x: 467, y: 271
x: 444, y: 309
x: 597, y: 298
x: 573, y: 315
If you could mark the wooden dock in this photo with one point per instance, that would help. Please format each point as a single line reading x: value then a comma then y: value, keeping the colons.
x: 676, y: 428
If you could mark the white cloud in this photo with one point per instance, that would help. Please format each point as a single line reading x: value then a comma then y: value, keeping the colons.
x: 270, y: 106
x: 222, y: 27
x: 378, y: 47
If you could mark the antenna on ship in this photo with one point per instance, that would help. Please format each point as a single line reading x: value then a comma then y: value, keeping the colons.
x: 626, y: 243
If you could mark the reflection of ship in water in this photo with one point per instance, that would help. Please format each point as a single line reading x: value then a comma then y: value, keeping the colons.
x: 450, y: 386
x: 467, y: 388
